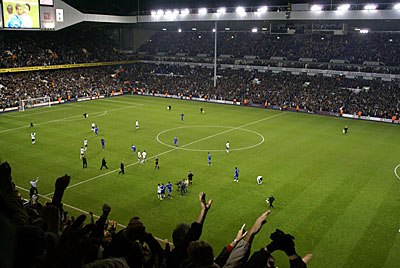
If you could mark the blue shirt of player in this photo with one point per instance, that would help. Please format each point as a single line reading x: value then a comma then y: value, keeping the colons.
x: 162, y: 188
x: 133, y: 148
x: 169, y: 186
x: 182, y: 116
x: 209, y: 157
x: 96, y: 129
x: 14, y: 22
x: 102, y: 142
x: 175, y: 140
x: 236, y: 172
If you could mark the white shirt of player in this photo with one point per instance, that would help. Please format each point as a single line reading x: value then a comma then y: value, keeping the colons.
x: 159, y: 189
x: 85, y: 142
x: 139, y: 155
x: 227, y: 145
x: 26, y: 21
x: 82, y: 151
x: 144, y: 155
x: 259, y: 179
x: 33, y: 136
x: 137, y: 124
x: 93, y: 125
x: 33, y: 183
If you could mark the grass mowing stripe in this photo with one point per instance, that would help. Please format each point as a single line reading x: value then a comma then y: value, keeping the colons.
x: 382, y: 239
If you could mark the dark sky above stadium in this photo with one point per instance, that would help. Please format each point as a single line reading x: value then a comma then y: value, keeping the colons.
x: 125, y: 7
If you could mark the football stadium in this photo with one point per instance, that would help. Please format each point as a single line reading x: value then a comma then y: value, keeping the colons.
x: 207, y: 134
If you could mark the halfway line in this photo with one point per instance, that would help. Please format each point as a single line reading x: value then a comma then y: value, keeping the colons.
x: 190, y: 143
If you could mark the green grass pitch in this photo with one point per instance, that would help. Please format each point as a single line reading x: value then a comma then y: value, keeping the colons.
x: 338, y: 195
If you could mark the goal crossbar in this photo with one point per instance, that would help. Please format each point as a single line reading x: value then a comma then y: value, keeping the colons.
x: 30, y: 103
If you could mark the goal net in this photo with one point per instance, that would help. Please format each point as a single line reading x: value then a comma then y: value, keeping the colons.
x: 30, y: 103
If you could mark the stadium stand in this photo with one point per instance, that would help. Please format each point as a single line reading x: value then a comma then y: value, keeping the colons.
x: 355, y: 48
x: 311, y: 93
x: 75, y: 83
x: 67, y: 46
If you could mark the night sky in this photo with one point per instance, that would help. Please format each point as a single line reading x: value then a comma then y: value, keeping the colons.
x: 125, y: 7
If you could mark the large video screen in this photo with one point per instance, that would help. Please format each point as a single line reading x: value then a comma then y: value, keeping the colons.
x: 21, y: 14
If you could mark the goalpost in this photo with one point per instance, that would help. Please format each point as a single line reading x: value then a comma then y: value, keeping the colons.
x: 30, y: 103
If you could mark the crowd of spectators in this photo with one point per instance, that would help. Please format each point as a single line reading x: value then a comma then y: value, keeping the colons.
x: 317, y: 93
x: 313, y: 93
x: 56, y: 84
x: 68, y: 46
x: 355, y: 48
x: 36, y: 234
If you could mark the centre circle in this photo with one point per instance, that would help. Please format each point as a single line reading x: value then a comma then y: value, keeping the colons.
x: 229, y: 129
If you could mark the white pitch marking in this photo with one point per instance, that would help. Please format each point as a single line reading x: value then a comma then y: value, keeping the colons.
x: 109, y: 172
x: 203, y: 150
x: 42, y: 112
x: 395, y: 171
x: 132, y: 164
x: 72, y: 118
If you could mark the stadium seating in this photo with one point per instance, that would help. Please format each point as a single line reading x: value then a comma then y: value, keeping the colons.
x: 354, y: 48
x: 312, y: 93
x: 51, y: 48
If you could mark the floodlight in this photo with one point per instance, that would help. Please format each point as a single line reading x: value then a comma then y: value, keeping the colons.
x: 221, y: 10
x: 168, y: 12
x: 194, y: 29
x: 153, y: 13
x: 160, y: 12
x: 240, y: 10
x: 200, y: 36
x: 262, y: 9
x: 202, y: 11
x: 344, y: 7
x: 164, y: 29
x: 213, y: 30
x: 316, y: 8
x: 364, y: 31
x: 397, y: 6
x: 370, y: 7
x: 176, y: 12
x: 179, y: 30
x: 185, y: 11
x: 227, y: 29
x: 254, y: 30
x: 264, y: 29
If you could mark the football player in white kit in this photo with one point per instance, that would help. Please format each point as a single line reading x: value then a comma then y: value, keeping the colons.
x: 33, y: 136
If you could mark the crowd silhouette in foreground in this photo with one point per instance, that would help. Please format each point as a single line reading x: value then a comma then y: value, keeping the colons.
x: 36, y: 234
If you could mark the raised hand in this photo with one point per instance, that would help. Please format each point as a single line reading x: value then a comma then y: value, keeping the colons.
x: 204, y: 205
x: 242, y: 233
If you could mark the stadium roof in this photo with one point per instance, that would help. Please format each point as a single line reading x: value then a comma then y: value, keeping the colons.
x: 126, y: 7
